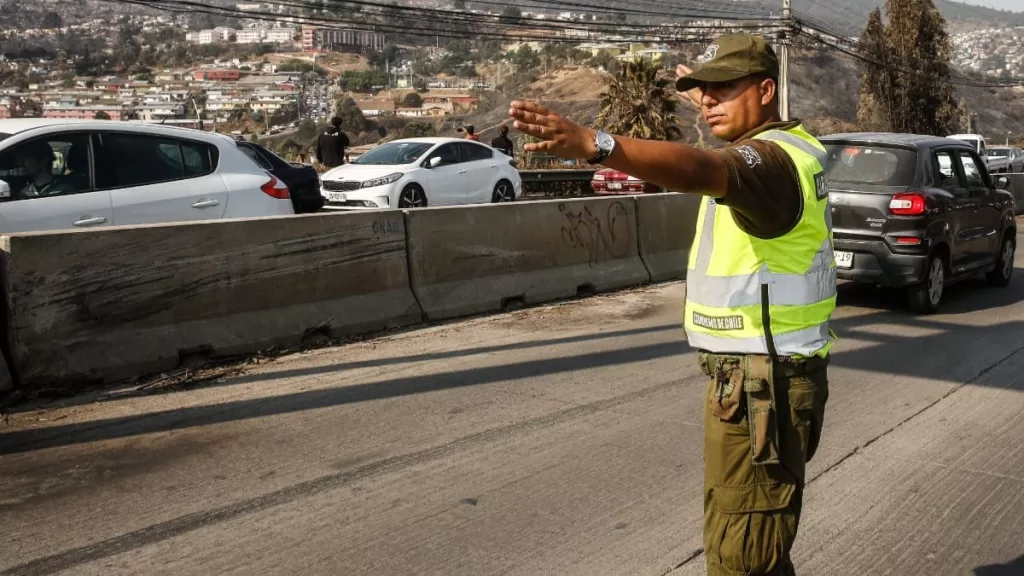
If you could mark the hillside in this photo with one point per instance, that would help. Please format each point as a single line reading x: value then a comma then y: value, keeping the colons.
x: 824, y: 93
x: 849, y: 16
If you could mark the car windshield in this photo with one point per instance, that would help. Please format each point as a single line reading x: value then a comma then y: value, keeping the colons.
x: 999, y: 153
x: 876, y: 165
x: 394, y: 153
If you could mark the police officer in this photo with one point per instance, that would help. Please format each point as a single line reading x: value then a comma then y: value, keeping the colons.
x: 760, y: 290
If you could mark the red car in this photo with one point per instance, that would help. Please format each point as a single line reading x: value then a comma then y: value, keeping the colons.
x: 609, y: 181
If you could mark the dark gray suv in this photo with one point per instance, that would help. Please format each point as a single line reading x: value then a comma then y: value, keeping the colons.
x: 917, y: 212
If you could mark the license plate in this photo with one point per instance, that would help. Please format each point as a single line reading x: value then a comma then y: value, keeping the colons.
x: 615, y: 186
x: 844, y: 259
x: 336, y: 196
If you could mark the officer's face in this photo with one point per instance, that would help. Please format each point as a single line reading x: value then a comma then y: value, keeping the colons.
x: 734, y: 108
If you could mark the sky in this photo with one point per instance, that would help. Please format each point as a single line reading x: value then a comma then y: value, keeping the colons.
x: 1015, y: 5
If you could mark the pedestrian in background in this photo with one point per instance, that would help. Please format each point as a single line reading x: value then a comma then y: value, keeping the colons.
x: 503, y: 143
x: 331, y: 145
x: 760, y: 290
x: 470, y: 133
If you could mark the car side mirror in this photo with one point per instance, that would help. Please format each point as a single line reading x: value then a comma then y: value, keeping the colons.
x: 1002, y: 182
x: 434, y: 162
x: 5, y: 191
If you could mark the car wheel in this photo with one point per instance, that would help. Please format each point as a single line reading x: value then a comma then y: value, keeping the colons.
x: 503, y: 192
x: 1004, y: 263
x: 412, y: 196
x: 926, y: 296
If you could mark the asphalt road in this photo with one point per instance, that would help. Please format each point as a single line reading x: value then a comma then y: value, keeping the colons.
x: 557, y: 440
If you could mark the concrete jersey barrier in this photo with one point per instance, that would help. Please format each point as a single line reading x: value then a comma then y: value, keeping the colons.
x: 103, y: 305
x: 476, y: 259
x: 666, y: 224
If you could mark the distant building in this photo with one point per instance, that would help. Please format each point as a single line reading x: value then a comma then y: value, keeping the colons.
x: 218, y: 75
x: 281, y: 35
x: 65, y: 112
x: 376, y: 107
x: 250, y: 36
x: 338, y: 38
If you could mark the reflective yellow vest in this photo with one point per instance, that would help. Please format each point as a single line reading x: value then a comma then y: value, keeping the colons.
x: 746, y: 295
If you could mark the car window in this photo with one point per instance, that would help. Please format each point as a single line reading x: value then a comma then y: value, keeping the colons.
x: 947, y: 177
x: 472, y: 152
x: 257, y: 158
x: 973, y: 175
x: 55, y: 165
x: 874, y: 165
x: 449, y: 154
x: 139, y: 159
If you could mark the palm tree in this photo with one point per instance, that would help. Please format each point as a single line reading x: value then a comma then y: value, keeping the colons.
x: 639, y: 103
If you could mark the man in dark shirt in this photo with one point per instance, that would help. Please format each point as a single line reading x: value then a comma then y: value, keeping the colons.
x: 503, y: 142
x: 330, y: 146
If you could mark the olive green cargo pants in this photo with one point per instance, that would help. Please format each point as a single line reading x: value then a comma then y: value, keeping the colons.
x: 761, y: 426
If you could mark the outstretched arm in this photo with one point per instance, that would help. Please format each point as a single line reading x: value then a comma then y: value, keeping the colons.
x: 672, y: 166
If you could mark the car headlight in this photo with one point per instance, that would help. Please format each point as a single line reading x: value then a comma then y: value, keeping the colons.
x: 390, y: 178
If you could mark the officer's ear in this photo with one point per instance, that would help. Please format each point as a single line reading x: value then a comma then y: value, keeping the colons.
x: 768, y: 90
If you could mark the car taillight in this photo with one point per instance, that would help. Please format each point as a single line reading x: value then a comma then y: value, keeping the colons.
x: 275, y: 188
x: 907, y: 205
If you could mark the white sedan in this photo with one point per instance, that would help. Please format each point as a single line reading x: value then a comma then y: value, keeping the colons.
x: 418, y: 172
x: 58, y: 174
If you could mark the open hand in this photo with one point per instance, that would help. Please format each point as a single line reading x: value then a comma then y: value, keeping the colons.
x: 559, y: 136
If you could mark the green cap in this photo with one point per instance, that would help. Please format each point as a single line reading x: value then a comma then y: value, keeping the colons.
x: 731, y: 57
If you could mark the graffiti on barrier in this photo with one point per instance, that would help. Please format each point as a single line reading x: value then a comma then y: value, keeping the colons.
x: 602, y: 236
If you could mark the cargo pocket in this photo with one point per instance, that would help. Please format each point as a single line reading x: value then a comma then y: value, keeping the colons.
x: 807, y: 402
x: 762, y: 412
x: 762, y: 497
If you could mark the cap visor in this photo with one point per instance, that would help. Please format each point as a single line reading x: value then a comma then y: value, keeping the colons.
x: 709, y: 74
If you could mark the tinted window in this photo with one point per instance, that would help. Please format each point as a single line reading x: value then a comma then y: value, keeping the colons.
x: 876, y: 165
x: 946, y: 177
x: 272, y: 159
x: 449, y: 154
x: 4, y: 136
x: 258, y: 159
x: 973, y: 176
x: 56, y: 165
x: 394, y: 153
x: 476, y: 152
x: 138, y: 160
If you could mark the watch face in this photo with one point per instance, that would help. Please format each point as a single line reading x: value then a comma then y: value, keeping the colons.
x: 605, y: 141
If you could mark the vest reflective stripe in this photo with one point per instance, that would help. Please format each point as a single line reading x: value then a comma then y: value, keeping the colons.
x: 789, y: 281
x: 799, y: 143
x: 806, y: 342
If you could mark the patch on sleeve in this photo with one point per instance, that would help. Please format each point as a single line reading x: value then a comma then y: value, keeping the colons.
x: 750, y: 156
x: 821, y: 185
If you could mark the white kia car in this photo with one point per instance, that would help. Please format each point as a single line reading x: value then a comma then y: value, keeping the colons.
x: 418, y: 172
x: 67, y: 174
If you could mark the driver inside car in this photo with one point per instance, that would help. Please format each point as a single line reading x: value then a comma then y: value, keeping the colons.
x: 35, y: 160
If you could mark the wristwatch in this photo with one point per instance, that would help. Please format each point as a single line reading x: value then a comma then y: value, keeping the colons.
x: 605, y: 145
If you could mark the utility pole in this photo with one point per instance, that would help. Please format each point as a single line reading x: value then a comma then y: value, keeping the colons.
x: 784, y: 59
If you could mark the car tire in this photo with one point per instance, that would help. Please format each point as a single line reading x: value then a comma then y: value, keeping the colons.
x: 503, y: 192
x: 1004, y: 263
x: 926, y: 296
x: 412, y: 196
